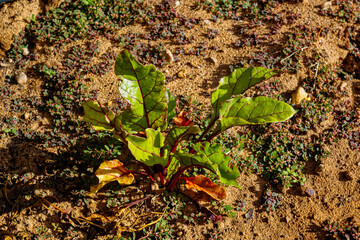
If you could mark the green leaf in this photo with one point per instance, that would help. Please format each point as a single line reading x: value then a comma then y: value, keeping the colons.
x: 212, y: 158
x: 148, y: 150
x: 249, y: 111
x: 144, y: 88
x: 237, y: 83
x: 101, y: 118
x: 171, y: 106
x: 178, y: 134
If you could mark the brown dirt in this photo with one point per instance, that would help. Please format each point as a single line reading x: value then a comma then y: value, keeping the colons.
x: 300, y: 216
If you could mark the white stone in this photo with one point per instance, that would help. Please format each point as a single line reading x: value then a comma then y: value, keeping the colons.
x: 5, y: 64
x: 326, y: 5
x: 169, y: 57
x: 207, y: 22
x: 25, y: 51
x: 299, y: 95
x: 342, y: 86
x: 213, y: 60
x: 21, y: 78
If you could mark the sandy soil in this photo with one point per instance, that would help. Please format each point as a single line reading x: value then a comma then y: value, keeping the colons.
x: 335, y: 180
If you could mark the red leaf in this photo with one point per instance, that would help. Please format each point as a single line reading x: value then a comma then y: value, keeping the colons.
x: 202, y: 183
x: 141, y: 134
x: 182, y: 120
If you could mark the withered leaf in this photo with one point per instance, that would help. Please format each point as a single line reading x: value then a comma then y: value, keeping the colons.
x: 202, y: 183
x: 110, y: 171
x: 182, y: 120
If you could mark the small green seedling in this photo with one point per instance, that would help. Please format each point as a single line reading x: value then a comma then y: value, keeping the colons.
x: 143, y: 127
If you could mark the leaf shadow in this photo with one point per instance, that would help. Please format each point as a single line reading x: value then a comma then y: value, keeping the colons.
x: 221, y: 71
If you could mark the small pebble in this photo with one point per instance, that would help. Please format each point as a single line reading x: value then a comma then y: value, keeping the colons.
x: 194, y: 64
x: 299, y: 95
x: 42, y: 154
x: 181, y: 74
x: 26, y: 116
x: 25, y: 51
x: 5, y: 64
x: 177, y: 3
x: 157, y: 177
x: 27, y: 197
x: 21, y: 78
x: 207, y: 22
x: 326, y: 5
x: 143, y: 186
x: 155, y: 187
x: 43, y: 193
x: 310, y: 192
x: 249, y: 214
x: 320, y: 168
x: 213, y: 60
x: 342, y: 86
x: 169, y: 57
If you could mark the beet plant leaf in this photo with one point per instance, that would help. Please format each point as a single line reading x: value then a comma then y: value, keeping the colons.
x: 212, y: 158
x: 148, y: 150
x: 250, y: 111
x: 202, y: 183
x: 237, y: 83
x: 171, y: 106
x: 100, y: 118
x: 144, y: 88
x: 178, y: 134
x: 110, y: 171
x: 103, y: 119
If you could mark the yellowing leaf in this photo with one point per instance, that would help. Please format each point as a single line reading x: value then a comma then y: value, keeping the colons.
x: 110, y: 171
x: 202, y: 183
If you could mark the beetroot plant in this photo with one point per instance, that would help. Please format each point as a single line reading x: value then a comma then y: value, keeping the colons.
x: 144, y: 129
